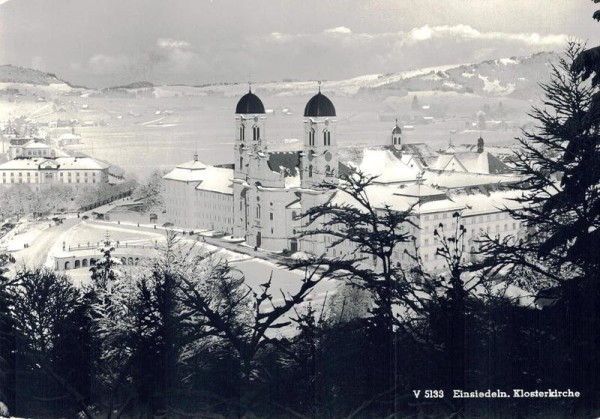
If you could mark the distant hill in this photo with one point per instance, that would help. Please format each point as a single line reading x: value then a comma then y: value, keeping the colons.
x: 516, y: 77
x: 14, y: 74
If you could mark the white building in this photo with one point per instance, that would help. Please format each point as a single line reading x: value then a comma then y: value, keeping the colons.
x: 31, y: 148
x: 200, y: 196
x: 69, y: 139
x: 42, y: 171
x: 265, y: 194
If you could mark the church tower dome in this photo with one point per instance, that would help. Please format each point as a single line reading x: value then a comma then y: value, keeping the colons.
x: 319, y: 106
x: 319, y: 162
x: 250, y: 131
x: 249, y: 104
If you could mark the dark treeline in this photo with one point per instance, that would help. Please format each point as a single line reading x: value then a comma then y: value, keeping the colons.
x: 184, y: 337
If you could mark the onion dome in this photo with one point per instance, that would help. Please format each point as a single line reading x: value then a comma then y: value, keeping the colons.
x: 249, y: 104
x: 319, y: 106
x: 396, y: 130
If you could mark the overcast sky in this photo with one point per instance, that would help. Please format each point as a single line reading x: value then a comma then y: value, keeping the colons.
x: 111, y: 42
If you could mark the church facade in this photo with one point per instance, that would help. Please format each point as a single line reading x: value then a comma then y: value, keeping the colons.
x: 262, y: 196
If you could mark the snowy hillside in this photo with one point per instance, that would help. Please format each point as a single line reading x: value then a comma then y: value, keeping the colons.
x: 516, y: 77
x: 14, y: 74
x: 29, y: 81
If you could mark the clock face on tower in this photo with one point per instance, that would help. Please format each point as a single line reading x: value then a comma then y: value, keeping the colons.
x: 328, y: 156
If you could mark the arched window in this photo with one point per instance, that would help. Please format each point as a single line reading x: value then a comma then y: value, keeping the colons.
x: 241, y: 162
x: 328, y: 170
x: 242, y: 132
x: 310, y: 170
x: 294, y: 215
x: 258, y: 211
x: 326, y: 137
x: 256, y: 133
x: 311, y: 137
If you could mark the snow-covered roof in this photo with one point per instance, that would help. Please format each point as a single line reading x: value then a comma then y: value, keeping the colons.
x: 494, y: 202
x: 422, y: 199
x: 450, y: 180
x: 63, y: 163
x: 192, y: 171
x: 420, y: 150
x: 387, y: 166
x: 217, y: 179
x: 292, y: 181
x: 80, y: 163
x: 417, y: 190
x: 426, y: 200
x: 484, y: 162
x: 36, y: 145
x: 209, y: 178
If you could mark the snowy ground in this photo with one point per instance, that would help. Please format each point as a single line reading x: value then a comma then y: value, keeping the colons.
x: 46, y: 240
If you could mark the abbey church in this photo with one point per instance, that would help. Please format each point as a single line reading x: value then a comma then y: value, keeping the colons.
x: 260, y: 198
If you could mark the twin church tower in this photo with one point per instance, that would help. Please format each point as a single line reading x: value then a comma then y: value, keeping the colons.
x: 319, y: 156
x: 271, y: 188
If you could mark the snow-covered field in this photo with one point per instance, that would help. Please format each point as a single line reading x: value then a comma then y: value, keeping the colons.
x: 149, y: 133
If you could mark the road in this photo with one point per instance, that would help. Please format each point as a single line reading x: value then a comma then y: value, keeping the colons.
x: 37, y: 253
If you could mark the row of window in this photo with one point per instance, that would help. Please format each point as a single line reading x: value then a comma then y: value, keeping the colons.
x: 48, y: 177
x: 469, y: 220
x: 326, y: 137
x: 37, y: 152
x: 255, y: 133
x: 20, y: 174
